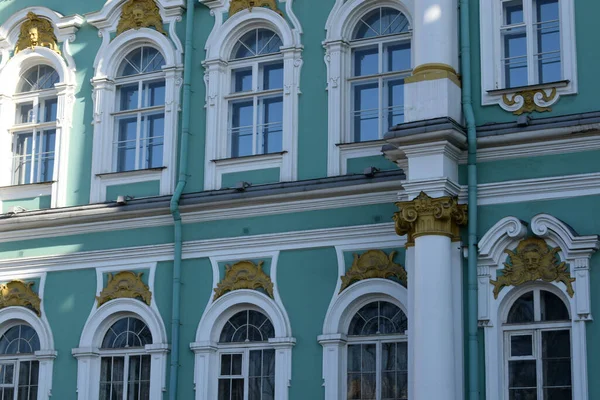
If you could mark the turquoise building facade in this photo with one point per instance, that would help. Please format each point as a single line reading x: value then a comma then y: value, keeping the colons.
x: 289, y: 199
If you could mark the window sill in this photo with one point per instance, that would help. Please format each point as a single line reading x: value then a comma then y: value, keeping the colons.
x: 549, y: 85
x: 360, y: 145
x: 29, y: 190
x: 250, y: 159
x: 134, y: 173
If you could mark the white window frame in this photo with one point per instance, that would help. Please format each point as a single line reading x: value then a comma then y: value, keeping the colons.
x: 11, y: 67
x: 335, y: 337
x: 491, y: 48
x: 108, y: 59
x: 89, y: 354
x: 575, y: 251
x: 207, y: 348
x: 219, y: 47
x: 338, y: 44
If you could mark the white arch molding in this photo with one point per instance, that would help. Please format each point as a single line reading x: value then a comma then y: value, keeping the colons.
x: 575, y: 250
x: 11, y: 67
x: 219, y: 46
x: 98, y: 323
x: 343, y: 18
x: 106, y: 63
x: 210, y: 326
x: 337, y: 321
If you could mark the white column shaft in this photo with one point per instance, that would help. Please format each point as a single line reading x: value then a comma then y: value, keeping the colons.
x: 436, y: 32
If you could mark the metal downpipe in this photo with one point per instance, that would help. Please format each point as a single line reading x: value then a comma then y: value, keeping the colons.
x: 174, y: 206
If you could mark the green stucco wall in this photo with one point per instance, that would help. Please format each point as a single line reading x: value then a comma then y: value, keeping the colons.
x: 254, y: 177
x: 134, y: 190
x: 29, y: 204
x: 358, y: 165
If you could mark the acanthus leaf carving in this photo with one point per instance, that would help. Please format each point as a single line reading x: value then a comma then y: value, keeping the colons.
x: 533, y: 260
x: 20, y: 294
x: 125, y: 284
x: 373, y: 264
x: 244, y: 275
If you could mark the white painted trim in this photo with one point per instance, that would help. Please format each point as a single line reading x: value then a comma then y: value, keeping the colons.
x: 215, y: 316
x: 219, y: 46
x: 490, y: 13
x: 356, y: 150
x: 575, y: 250
x: 254, y: 163
x: 17, y: 192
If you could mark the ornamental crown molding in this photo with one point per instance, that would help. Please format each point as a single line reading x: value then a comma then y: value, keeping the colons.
x: 533, y: 260
x: 425, y: 215
x: 20, y: 294
x: 125, y: 284
x: 137, y: 14
x: 236, y: 6
x: 373, y: 264
x: 244, y: 275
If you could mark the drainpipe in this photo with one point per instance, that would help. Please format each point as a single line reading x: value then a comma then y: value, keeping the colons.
x: 178, y: 240
x: 467, y: 103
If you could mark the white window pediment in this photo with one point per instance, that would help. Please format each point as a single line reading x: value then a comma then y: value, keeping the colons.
x: 13, y: 66
x: 108, y: 111
x: 531, y: 45
x: 575, y: 251
x: 221, y: 157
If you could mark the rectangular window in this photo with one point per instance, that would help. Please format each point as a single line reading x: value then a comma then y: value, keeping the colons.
x: 33, y: 156
x: 247, y: 376
x: 19, y: 379
x: 125, y: 377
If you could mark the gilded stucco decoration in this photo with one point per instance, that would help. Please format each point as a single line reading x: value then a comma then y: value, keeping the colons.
x: 373, y: 264
x: 125, y: 284
x: 532, y: 100
x: 244, y: 275
x: 425, y: 215
x: 533, y: 260
x: 36, y: 31
x: 138, y: 14
x: 238, y: 5
x: 20, y: 294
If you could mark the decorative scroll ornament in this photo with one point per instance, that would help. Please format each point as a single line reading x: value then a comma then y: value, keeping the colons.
x: 238, y: 5
x: 531, y: 100
x: 373, y: 264
x: 36, y: 31
x: 244, y: 275
x: 125, y: 284
x: 532, y: 260
x: 138, y: 14
x: 20, y: 294
x: 428, y: 216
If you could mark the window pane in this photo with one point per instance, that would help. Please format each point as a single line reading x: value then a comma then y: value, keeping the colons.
x: 50, y: 109
x: 548, y: 41
x: 126, y: 144
x: 152, y: 60
x: 523, y: 394
x: 24, y: 113
x: 40, y: 77
x: 224, y: 389
x: 398, y: 57
x: 366, y: 61
x: 268, y: 42
x: 23, y: 158
x: 242, y: 114
x: 237, y: 389
x: 513, y: 12
x: 521, y: 374
x: 366, y: 112
x: 522, y: 310
x: 552, y: 307
x: 273, y: 76
x: 393, y: 21
x: 47, y: 143
x: 378, y: 317
x: 236, y: 364
x: 152, y: 140
x: 6, y: 373
x: 521, y: 345
x: 556, y: 344
x: 127, y: 332
x: 558, y: 394
x: 20, y: 339
x: 255, y: 364
x: 367, y: 386
x: 154, y: 94
x: 242, y: 80
x: 128, y: 97
x: 226, y: 364
x: 395, y: 102
x: 272, y: 129
x: 515, y: 57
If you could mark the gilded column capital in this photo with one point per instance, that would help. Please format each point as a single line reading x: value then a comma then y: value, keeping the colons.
x: 428, y: 216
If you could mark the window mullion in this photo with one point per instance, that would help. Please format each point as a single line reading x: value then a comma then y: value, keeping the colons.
x: 539, y: 365
x: 33, y: 163
x: 530, y: 37
x: 125, y: 376
x: 255, y: 125
x: 378, y: 376
x: 246, y: 371
x: 16, y: 380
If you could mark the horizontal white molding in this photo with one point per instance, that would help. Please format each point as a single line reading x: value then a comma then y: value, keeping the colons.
x: 533, y: 149
x: 375, y: 235
x: 554, y: 187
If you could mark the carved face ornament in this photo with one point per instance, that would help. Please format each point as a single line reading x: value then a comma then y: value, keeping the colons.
x: 33, y: 36
x: 138, y: 16
x: 532, y: 258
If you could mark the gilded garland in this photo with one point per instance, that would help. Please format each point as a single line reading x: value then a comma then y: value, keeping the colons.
x: 238, y: 5
x: 244, y: 275
x: 529, y: 100
x: 373, y: 264
x: 36, y: 31
x: 20, y: 294
x: 138, y: 14
x: 532, y: 260
x: 125, y: 284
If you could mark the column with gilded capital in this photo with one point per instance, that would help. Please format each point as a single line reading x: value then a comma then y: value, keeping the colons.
x: 432, y: 224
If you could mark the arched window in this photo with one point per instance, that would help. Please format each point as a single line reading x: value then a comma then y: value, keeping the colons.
x: 124, y: 363
x: 19, y: 377
x: 378, y: 353
x: 34, y: 129
x: 537, y: 341
x: 247, y: 361
x: 256, y: 94
x: 140, y: 113
x: 380, y: 61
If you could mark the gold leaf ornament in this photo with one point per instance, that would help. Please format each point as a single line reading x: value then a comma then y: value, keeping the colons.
x: 244, y: 275
x: 20, y: 294
x: 239, y: 5
x: 373, y: 264
x: 125, y: 284
x: 138, y: 14
x: 533, y: 260
x: 529, y: 100
x: 36, y: 31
